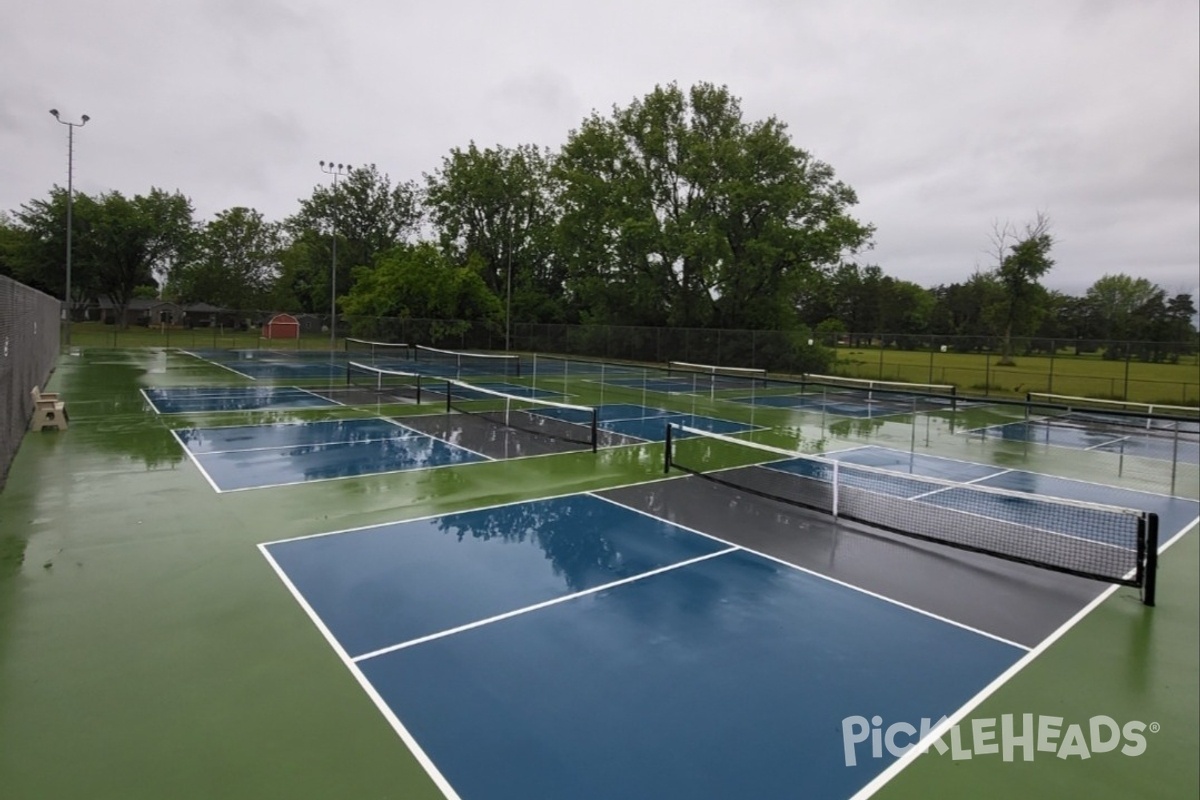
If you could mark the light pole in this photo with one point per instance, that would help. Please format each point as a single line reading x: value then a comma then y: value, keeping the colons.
x: 71, y: 126
x: 508, y: 303
x: 337, y: 171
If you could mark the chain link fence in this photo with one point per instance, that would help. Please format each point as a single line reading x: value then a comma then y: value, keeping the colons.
x: 29, y: 341
x: 1150, y: 372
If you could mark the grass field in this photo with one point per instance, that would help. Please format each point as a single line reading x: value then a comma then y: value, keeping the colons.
x: 1085, y: 376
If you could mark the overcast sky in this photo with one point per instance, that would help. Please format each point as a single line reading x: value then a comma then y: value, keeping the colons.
x: 945, y: 117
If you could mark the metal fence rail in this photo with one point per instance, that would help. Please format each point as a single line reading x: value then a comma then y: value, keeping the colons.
x: 1157, y: 372
x: 29, y: 341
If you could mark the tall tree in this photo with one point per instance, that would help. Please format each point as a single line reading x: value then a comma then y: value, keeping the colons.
x: 495, y: 206
x: 369, y: 214
x: 1113, y: 302
x: 134, y: 239
x: 419, y: 281
x: 1022, y: 260
x: 11, y: 239
x: 235, y: 262
x: 905, y: 307
x: 36, y: 252
x: 677, y: 210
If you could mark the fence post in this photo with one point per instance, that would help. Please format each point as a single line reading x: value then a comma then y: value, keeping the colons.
x: 1128, y: 356
x: 1050, y: 378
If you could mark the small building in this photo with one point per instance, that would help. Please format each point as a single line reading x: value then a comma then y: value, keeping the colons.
x: 281, y: 326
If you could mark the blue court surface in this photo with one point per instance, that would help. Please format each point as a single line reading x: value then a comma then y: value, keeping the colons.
x: 276, y: 365
x: 576, y: 648
x: 256, y: 456
x: 232, y: 398
x: 644, y: 422
x: 1129, y: 441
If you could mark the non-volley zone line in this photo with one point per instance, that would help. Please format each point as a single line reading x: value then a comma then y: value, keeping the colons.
x: 182, y: 400
x: 321, y: 451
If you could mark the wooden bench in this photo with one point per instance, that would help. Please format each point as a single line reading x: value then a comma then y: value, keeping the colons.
x: 48, y: 411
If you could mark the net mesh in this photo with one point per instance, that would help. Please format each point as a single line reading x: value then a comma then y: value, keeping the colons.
x: 560, y: 421
x: 892, y: 393
x: 687, y: 367
x: 455, y: 362
x: 1095, y: 541
x: 29, y: 342
x: 1121, y: 416
x: 368, y: 352
x: 365, y: 382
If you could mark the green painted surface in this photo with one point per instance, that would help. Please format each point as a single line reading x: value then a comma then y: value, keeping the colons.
x: 1124, y: 661
x: 147, y: 650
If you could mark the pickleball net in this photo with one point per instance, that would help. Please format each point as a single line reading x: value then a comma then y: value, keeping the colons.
x: 1120, y: 416
x: 718, y: 375
x: 1090, y: 540
x: 365, y: 351
x: 891, y: 393
x: 369, y: 383
x: 564, y: 422
x: 460, y: 362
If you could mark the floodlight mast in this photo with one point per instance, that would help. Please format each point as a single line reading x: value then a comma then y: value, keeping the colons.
x: 71, y: 126
x: 337, y: 171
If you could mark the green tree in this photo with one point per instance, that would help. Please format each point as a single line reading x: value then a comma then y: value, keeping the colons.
x: 36, y: 252
x: 904, y: 308
x: 960, y: 309
x: 496, y: 206
x: 675, y: 210
x: 1022, y: 258
x: 133, y: 240
x: 421, y: 282
x: 235, y: 262
x: 1113, y: 302
x: 11, y: 237
x: 370, y: 216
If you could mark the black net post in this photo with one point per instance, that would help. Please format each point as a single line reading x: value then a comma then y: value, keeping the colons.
x: 595, y: 429
x: 667, y: 451
x: 1150, y: 564
x: 449, y: 396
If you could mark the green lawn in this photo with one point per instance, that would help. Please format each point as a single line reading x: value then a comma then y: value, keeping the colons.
x: 1084, y: 376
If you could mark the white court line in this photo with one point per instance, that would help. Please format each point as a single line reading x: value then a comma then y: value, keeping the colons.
x: 409, y: 740
x: 1039, y: 474
x: 322, y: 397
x: 218, y: 364
x: 363, y: 475
x: 151, y: 402
x: 963, y: 483
x: 545, y: 604
x: 798, y: 568
x: 192, y: 457
x: 1118, y: 440
x: 331, y: 442
x: 489, y: 507
x: 938, y: 731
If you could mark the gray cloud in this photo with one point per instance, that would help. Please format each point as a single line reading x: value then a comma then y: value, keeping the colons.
x: 944, y: 116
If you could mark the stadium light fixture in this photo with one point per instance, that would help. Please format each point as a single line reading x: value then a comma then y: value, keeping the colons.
x: 337, y: 171
x: 71, y: 126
